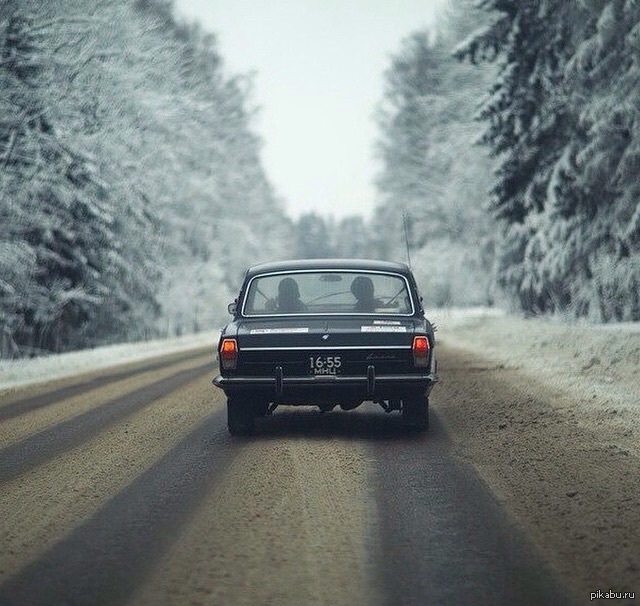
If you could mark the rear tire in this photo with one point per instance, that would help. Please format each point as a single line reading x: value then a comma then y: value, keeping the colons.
x: 415, y: 412
x: 240, y: 417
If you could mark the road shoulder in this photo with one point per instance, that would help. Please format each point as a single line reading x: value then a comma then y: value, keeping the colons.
x: 525, y: 406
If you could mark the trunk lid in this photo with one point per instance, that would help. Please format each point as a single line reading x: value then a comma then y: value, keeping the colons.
x: 303, y: 346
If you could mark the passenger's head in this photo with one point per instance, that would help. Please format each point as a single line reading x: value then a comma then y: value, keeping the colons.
x: 362, y: 288
x: 288, y: 289
x: 289, y: 296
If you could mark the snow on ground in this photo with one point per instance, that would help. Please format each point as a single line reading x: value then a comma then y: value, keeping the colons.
x: 15, y: 373
x: 594, y: 368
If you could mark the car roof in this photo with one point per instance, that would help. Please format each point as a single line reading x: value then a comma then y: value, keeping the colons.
x: 331, y: 264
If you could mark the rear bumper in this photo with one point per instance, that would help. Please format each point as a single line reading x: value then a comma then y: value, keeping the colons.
x: 323, y: 387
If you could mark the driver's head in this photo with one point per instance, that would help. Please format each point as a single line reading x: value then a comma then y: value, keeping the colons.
x: 288, y: 289
x: 362, y: 288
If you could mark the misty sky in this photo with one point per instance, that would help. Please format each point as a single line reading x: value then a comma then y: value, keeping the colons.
x: 319, y: 67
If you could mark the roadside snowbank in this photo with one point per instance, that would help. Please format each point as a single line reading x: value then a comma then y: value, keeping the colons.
x: 594, y: 367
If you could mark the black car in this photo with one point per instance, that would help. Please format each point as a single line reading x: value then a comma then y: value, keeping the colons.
x: 327, y: 332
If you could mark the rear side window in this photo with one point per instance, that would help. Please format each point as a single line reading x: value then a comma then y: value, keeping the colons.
x: 328, y: 292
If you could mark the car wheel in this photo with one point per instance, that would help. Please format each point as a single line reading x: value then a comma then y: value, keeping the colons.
x: 415, y: 412
x: 240, y: 417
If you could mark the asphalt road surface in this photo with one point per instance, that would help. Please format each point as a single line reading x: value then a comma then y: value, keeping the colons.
x: 123, y: 487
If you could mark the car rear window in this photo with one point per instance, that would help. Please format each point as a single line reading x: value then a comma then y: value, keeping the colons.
x: 328, y: 292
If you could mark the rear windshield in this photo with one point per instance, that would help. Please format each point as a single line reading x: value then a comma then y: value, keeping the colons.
x: 328, y: 292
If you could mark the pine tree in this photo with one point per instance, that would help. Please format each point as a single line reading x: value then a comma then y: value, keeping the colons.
x: 606, y: 74
x: 563, y: 121
x: 530, y: 118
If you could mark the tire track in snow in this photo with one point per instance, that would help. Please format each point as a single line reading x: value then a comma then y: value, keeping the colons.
x: 130, y: 531
x: 24, y: 405
x: 48, y: 443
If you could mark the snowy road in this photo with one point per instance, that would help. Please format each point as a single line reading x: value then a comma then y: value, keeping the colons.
x: 123, y: 487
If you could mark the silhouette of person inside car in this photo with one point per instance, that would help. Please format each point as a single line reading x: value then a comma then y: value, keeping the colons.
x: 288, y: 299
x: 362, y: 290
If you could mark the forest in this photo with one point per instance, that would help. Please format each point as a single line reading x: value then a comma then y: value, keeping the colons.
x: 518, y: 167
x: 133, y: 194
x: 132, y: 191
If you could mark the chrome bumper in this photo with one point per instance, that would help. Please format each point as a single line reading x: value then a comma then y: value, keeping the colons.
x: 370, y: 382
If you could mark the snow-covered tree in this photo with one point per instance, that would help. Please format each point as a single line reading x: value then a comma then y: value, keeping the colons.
x: 434, y: 180
x: 563, y: 121
x: 129, y: 166
x: 605, y: 78
x: 54, y: 211
x: 529, y: 117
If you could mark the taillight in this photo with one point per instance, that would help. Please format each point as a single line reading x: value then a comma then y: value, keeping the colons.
x: 228, y: 353
x: 420, y: 349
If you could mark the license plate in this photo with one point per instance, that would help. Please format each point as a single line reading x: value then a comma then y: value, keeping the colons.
x: 325, y: 365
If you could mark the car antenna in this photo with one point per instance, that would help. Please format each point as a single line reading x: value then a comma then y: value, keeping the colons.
x: 405, y: 230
